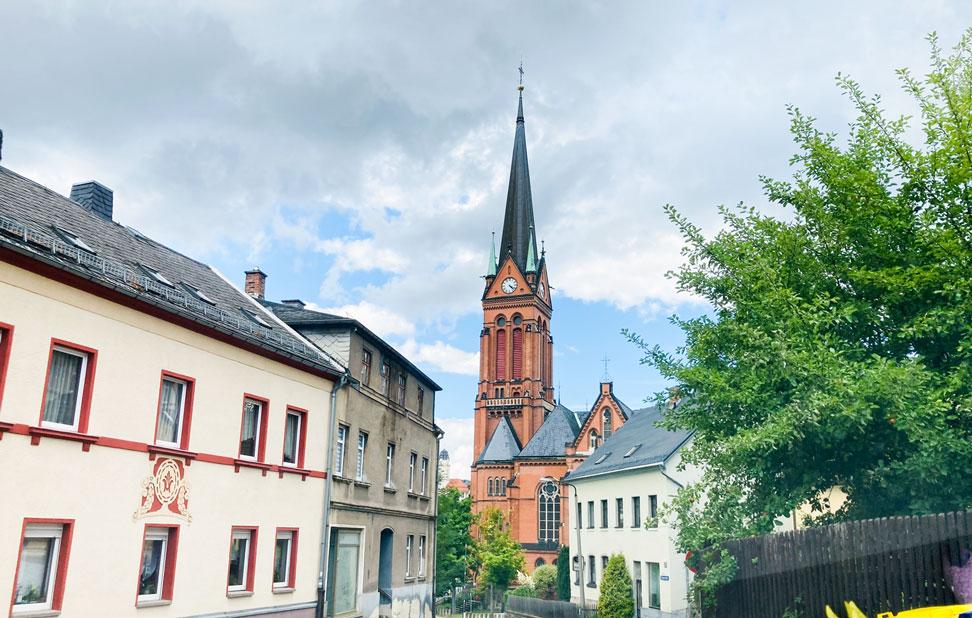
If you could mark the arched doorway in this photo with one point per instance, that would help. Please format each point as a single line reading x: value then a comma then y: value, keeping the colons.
x: 385, y: 560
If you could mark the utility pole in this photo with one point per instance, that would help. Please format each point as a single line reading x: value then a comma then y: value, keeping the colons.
x: 580, y: 551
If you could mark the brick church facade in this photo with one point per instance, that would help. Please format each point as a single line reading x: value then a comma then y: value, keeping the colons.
x: 526, y: 441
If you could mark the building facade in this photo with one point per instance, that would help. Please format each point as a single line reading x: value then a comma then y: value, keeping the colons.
x: 618, y: 492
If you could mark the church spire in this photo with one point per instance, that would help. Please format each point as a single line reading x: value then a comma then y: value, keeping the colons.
x: 491, y: 267
x: 531, y: 261
x: 518, y: 235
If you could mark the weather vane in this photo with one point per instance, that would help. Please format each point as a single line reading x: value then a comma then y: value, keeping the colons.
x: 520, y: 69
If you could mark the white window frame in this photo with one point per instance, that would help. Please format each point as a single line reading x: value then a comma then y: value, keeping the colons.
x: 425, y: 475
x: 283, y: 456
x: 412, y: 460
x: 156, y: 534
x: 359, y: 470
x: 654, y: 580
x: 340, y: 453
x: 256, y: 434
x: 421, y: 556
x: 389, y: 464
x: 41, y: 531
x: 82, y: 380
x: 245, y: 575
x: 409, y: 540
x: 289, y: 536
x: 182, y: 412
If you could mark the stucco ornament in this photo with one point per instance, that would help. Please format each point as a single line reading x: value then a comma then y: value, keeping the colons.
x: 165, y: 492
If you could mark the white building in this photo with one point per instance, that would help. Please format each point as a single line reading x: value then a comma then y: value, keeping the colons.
x: 618, y: 490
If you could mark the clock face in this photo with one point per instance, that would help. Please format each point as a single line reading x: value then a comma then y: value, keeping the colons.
x: 542, y: 291
x: 509, y: 285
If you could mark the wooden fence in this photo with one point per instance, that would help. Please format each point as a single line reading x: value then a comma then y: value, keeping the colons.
x: 541, y: 608
x: 887, y: 564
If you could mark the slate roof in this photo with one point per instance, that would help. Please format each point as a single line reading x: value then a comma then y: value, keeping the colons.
x: 298, y: 317
x: 518, y: 227
x: 654, y: 446
x: 559, y: 428
x: 503, y: 445
x: 33, y: 223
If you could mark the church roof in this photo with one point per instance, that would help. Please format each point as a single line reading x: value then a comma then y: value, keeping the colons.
x: 559, y: 428
x: 638, y: 443
x: 518, y: 234
x: 503, y: 445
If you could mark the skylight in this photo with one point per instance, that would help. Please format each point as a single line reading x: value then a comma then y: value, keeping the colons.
x: 632, y: 450
x: 72, y: 238
x: 198, y: 294
x: 156, y: 275
x: 256, y: 318
x: 602, y: 458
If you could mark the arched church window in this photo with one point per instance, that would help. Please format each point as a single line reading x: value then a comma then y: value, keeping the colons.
x: 539, y: 563
x: 548, y: 506
x: 502, y: 487
x: 606, y: 423
x: 501, y: 355
x: 593, y: 439
x: 517, y: 354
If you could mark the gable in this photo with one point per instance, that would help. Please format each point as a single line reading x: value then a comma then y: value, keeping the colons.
x: 508, y: 270
x: 619, y: 414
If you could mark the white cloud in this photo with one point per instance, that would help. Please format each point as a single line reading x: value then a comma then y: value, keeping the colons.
x: 442, y: 357
x: 380, y: 320
x: 458, y: 440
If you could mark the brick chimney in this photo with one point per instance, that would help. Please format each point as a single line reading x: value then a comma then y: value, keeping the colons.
x: 94, y: 196
x: 256, y: 282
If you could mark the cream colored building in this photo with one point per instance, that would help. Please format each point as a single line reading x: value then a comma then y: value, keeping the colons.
x: 617, y: 491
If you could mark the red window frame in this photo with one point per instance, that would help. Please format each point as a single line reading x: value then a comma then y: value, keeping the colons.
x: 187, y: 412
x: 250, y: 559
x: 292, y: 571
x: 171, y: 551
x: 6, y: 341
x: 301, y: 439
x: 89, y: 378
x: 60, y: 577
x: 262, y: 437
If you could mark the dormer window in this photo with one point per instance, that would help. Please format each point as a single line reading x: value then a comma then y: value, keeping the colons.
x: 198, y: 294
x: 255, y: 318
x: 73, y: 239
x: 602, y: 458
x: 631, y: 451
x: 154, y: 274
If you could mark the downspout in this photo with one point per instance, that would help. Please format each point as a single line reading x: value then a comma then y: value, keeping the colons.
x: 435, y: 517
x: 322, y: 591
x: 581, y: 572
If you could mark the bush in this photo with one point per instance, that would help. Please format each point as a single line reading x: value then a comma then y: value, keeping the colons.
x: 616, y: 593
x: 522, y: 591
x: 563, y: 574
x: 545, y: 581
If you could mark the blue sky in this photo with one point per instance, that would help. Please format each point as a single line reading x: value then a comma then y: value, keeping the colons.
x: 359, y: 152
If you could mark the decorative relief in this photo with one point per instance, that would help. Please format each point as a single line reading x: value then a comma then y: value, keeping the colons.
x: 166, y: 492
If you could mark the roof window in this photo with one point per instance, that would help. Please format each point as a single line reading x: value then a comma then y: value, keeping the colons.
x: 631, y: 451
x: 602, y: 458
x: 255, y: 318
x: 151, y: 272
x: 198, y: 294
x: 72, y: 238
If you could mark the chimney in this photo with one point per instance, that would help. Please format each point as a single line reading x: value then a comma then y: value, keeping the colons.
x: 256, y: 282
x: 294, y: 302
x: 94, y: 196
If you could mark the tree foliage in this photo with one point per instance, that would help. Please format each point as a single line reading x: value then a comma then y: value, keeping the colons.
x: 837, y: 348
x: 616, y: 600
x: 563, y: 574
x: 452, y: 539
x: 496, y: 556
x: 545, y: 581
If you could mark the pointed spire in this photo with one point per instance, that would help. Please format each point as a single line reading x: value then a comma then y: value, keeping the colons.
x: 518, y: 234
x: 491, y: 267
x: 531, y: 260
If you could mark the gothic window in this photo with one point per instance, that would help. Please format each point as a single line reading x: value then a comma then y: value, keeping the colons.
x: 548, y: 506
x: 517, y: 353
x: 502, y: 487
x: 501, y: 355
x: 539, y: 563
x: 606, y: 425
x: 593, y: 439
x: 489, y: 486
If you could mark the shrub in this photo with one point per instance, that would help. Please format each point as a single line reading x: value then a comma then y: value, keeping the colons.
x: 563, y: 574
x: 616, y: 593
x: 545, y: 581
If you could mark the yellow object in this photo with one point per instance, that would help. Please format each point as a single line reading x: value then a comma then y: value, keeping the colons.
x: 942, y: 611
x: 853, y: 611
x: 830, y: 613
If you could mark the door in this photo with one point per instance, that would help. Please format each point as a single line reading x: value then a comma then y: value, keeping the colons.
x: 385, y: 554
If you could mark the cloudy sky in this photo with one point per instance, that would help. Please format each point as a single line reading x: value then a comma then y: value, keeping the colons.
x: 359, y: 152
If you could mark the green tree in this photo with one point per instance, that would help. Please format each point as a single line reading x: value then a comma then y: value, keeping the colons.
x: 837, y: 348
x: 563, y: 574
x: 497, y: 558
x: 545, y: 581
x: 617, y: 594
x: 452, y: 539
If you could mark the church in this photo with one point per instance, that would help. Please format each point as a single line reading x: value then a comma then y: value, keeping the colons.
x: 525, y: 441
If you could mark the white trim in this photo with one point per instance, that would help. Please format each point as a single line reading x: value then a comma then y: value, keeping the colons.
x: 82, y: 378
x: 289, y: 536
x: 41, y: 531
x: 182, y: 412
x: 155, y: 534
x: 283, y: 456
x: 248, y: 536
x: 256, y: 435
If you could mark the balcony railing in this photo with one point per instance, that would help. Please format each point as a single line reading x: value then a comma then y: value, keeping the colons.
x: 506, y: 402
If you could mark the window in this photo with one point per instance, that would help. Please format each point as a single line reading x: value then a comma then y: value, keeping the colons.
x: 548, y: 507
x: 42, y: 566
x: 636, y: 512
x: 359, y: 472
x: 517, y: 353
x: 156, y: 275
x: 175, y: 411
x: 591, y: 572
x: 241, y: 560
x: 6, y: 337
x: 580, y: 512
x: 421, y: 400
x: 67, y: 395
x: 285, y: 558
x: 421, y: 556
x: 295, y: 435
x: 342, y: 443
x: 425, y: 475
x: 636, y: 577
x: 345, y: 551
x: 654, y: 586
x: 500, y: 355
x: 156, y: 572
x: 590, y: 514
x: 576, y: 568
x: 593, y: 440
x: 502, y: 487
x: 255, y: 318
x: 619, y: 516
x: 604, y: 514
x: 606, y: 423
x: 604, y: 561
x: 412, y: 460
x: 653, y: 511
x: 402, y: 381
x: 408, y: 555
x: 254, y: 431
x: 365, y: 366
x: 631, y: 451
x: 385, y: 370
x: 72, y: 238
x: 539, y: 562
x: 198, y: 294
x: 389, y: 463
x: 489, y: 487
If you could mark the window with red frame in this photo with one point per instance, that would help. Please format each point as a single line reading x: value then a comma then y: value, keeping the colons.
x: 295, y: 435
x: 253, y: 433
x: 285, y: 558
x: 6, y: 338
x: 175, y: 411
x: 67, y: 390
x: 242, y: 560
x: 156, y: 572
x: 42, y: 566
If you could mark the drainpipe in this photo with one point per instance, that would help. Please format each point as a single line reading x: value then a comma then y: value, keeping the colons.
x: 580, y: 552
x: 435, y: 521
x: 322, y: 591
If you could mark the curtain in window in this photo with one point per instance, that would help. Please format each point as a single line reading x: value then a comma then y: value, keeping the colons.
x: 251, y: 424
x: 170, y: 409
x: 35, y: 569
x: 290, y: 439
x: 63, y: 388
x: 151, y: 561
